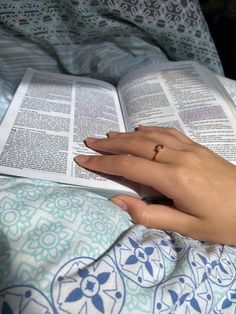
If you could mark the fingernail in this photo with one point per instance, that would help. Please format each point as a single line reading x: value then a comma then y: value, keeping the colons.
x: 91, y: 139
x: 81, y: 159
x: 112, y: 133
x: 120, y: 203
x: 137, y: 127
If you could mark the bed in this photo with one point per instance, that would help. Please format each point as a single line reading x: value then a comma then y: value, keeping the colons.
x: 64, y: 249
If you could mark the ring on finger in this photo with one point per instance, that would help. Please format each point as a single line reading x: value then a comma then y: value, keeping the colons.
x: 157, y: 149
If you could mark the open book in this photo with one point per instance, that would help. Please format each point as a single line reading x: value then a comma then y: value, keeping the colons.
x: 51, y: 115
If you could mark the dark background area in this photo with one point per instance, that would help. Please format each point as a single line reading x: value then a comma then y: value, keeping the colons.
x: 221, y: 19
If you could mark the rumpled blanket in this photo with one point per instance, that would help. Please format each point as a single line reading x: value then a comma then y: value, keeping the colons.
x: 64, y: 249
x: 101, y: 39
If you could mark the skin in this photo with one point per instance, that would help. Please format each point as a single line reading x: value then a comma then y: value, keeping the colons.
x: 201, y: 184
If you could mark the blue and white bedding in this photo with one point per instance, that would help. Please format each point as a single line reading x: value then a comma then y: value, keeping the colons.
x: 64, y: 249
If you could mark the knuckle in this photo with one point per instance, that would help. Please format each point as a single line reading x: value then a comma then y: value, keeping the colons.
x: 189, y: 171
x: 200, y: 153
x: 138, y: 218
x: 172, y: 131
x: 142, y: 217
x: 126, y: 161
x: 193, y: 157
x: 183, y: 176
x: 135, y: 143
x: 190, y: 157
x: 198, y: 148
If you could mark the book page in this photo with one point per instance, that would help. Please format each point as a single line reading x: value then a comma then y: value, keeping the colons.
x: 47, y: 123
x: 185, y: 96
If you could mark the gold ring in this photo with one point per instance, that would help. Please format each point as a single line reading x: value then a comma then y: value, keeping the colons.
x: 157, y: 149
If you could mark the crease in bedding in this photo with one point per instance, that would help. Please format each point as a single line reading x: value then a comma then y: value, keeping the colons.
x: 64, y: 249
x: 100, y: 39
x: 70, y: 251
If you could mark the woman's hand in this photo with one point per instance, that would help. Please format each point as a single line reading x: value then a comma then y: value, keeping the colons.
x: 201, y: 184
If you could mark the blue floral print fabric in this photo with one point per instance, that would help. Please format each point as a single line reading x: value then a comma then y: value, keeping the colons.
x: 64, y: 249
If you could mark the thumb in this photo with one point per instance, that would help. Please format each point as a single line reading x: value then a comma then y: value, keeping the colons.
x: 155, y: 216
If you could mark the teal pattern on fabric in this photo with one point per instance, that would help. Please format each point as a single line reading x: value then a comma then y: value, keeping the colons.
x: 58, y: 265
x: 48, y: 241
x: 178, y: 27
x: 66, y: 250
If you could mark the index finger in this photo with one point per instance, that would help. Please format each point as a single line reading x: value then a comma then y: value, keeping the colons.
x: 154, y: 174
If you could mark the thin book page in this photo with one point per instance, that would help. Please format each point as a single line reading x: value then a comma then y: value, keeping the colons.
x: 47, y: 122
x: 181, y: 95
